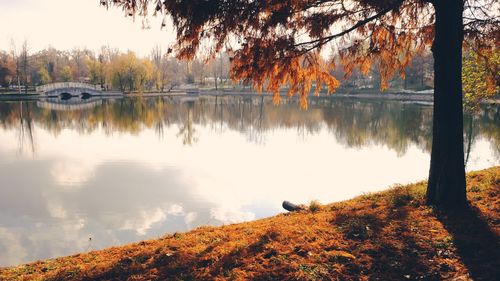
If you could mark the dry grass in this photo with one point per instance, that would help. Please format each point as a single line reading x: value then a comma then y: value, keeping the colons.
x: 315, y: 206
x: 390, y: 235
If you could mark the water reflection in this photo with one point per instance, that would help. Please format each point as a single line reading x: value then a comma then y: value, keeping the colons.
x: 129, y: 169
x: 354, y: 124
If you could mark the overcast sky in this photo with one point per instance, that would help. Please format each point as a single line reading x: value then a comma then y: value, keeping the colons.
x: 66, y: 24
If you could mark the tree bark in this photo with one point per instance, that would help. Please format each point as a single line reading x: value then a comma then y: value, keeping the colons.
x: 446, y: 186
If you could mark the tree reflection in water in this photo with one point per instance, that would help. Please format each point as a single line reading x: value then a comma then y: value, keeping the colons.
x: 354, y: 123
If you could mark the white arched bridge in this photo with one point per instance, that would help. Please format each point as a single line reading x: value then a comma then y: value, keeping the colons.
x: 69, y: 105
x: 70, y: 89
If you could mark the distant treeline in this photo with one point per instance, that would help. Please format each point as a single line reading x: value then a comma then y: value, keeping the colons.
x: 110, y: 68
x: 21, y: 71
x: 125, y: 71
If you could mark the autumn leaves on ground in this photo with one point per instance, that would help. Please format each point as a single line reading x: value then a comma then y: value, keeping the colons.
x: 391, y: 235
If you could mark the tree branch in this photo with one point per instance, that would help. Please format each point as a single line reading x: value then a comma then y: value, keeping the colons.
x: 324, y: 40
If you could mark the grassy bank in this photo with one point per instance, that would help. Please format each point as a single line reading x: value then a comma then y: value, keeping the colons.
x: 390, y: 235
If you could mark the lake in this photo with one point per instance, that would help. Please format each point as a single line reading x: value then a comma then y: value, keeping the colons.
x: 84, y: 175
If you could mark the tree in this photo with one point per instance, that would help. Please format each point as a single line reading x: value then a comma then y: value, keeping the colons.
x: 172, y: 71
x: 117, y: 72
x: 67, y: 74
x: 78, y: 63
x: 95, y: 70
x: 197, y: 70
x: 480, y: 77
x: 158, y: 71
x: 17, y: 63
x: 279, y: 43
x: 44, y: 75
x: 128, y: 71
x: 7, y: 69
x: 144, y: 74
x: 106, y: 56
x: 24, y: 65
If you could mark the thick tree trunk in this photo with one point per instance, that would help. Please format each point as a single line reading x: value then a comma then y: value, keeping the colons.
x: 446, y: 187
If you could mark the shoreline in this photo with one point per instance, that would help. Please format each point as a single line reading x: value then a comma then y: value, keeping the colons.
x: 387, y: 235
x: 422, y: 98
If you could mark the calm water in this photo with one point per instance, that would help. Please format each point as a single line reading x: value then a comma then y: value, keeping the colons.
x: 119, y: 171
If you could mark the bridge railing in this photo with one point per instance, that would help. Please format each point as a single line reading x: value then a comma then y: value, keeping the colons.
x: 66, y: 85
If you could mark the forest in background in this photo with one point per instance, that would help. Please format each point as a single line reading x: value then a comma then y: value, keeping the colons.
x: 22, y: 70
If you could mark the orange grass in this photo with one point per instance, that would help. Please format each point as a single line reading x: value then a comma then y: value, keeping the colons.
x: 389, y: 235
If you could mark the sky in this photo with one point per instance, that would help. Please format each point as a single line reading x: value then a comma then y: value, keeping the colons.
x: 67, y: 24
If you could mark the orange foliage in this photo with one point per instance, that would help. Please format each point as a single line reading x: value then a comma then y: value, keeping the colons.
x: 277, y: 44
x: 384, y: 236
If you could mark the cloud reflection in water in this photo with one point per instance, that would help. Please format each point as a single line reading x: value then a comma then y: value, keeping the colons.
x: 105, y: 173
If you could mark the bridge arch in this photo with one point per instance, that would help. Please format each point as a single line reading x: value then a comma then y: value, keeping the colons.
x: 65, y: 96
x: 73, y: 89
x: 85, y: 96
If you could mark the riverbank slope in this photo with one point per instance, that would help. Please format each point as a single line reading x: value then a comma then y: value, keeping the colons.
x: 389, y: 235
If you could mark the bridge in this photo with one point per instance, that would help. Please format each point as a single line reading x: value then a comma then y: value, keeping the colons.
x: 71, y: 89
x: 69, y: 105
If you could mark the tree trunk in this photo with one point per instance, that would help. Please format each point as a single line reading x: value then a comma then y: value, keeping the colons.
x: 446, y: 187
x: 470, y: 137
x: 422, y: 72
x: 215, y: 74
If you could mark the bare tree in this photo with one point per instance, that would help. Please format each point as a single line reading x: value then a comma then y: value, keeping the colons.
x: 24, y: 63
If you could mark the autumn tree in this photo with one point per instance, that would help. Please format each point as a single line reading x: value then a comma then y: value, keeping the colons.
x: 480, y: 77
x: 419, y: 72
x: 127, y: 71
x: 20, y: 57
x: 198, y: 70
x: 95, y: 69
x: 7, y: 69
x: 24, y: 65
x: 107, y: 55
x: 117, y: 72
x: 159, y: 71
x: 144, y: 74
x: 172, y: 71
x: 44, y: 75
x: 78, y: 63
x: 53, y: 60
x: 67, y: 74
x: 279, y: 43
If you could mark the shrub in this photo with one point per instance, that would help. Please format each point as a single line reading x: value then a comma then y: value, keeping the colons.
x: 399, y: 196
x: 355, y: 226
x: 315, y: 206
